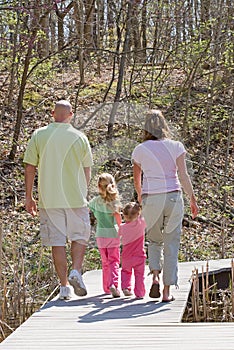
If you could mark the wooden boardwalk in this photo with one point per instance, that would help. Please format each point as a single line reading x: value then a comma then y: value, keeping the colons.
x: 98, y: 321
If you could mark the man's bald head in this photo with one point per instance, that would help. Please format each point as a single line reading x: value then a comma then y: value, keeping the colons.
x: 62, y: 111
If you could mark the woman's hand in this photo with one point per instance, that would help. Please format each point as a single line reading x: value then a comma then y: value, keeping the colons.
x: 194, y: 207
x: 139, y: 198
x: 137, y: 180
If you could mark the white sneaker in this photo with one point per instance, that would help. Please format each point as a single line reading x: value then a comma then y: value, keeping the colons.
x: 114, y: 291
x: 76, y: 281
x: 65, y: 293
x: 127, y: 292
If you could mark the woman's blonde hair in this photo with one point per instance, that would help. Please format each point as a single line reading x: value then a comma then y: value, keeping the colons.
x: 108, y: 189
x: 156, y: 127
x: 131, y: 210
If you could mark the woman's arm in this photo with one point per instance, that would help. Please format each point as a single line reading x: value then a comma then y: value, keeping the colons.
x: 186, y: 183
x: 137, y: 179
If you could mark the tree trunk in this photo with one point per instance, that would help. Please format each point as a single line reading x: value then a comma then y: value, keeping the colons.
x: 79, y: 22
x: 43, y: 44
x: 19, y: 114
x: 60, y: 31
x: 52, y: 33
x: 135, y: 33
x: 205, y: 16
x: 14, y: 64
x: 228, y: 152
x: 144, y: 29
x: 88, y: 26
x: 110, y: 23
x: 121, y: 73
x: 98, y: 37
x: 61, y: 15
x: 31, y: 41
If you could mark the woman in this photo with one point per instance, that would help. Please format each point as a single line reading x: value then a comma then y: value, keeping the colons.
x: 161, y: 160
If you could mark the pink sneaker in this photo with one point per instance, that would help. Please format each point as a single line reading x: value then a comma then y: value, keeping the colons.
x: 127, y: 292
x: 114, y: 291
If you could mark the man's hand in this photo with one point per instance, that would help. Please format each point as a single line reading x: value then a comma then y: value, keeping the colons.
x: 30, y: 206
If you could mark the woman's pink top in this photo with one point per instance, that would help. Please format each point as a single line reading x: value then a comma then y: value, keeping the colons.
x: 157, y: 159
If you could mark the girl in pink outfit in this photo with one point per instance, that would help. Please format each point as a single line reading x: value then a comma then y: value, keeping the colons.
x: 106, y: 209
x: 132, y: 234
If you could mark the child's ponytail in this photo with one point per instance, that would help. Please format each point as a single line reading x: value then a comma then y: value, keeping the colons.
x: 107, y: 188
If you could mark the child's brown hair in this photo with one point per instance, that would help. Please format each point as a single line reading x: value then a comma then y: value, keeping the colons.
x: 131, y: 210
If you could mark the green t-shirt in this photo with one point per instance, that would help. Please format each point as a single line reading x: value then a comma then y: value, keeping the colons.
x: 60, y: 152
x: 106, y: 223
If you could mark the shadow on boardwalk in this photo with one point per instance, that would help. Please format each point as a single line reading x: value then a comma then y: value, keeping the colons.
x: 104, y: 307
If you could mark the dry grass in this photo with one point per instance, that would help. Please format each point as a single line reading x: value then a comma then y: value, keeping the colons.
x: 207, y: 303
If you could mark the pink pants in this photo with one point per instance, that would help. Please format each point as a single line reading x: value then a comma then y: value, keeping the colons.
x: 110, y: 267
x: 137, y: 264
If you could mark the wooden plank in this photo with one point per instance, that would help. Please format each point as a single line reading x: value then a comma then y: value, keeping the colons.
x: 101, y: 322
x: 180, y: 336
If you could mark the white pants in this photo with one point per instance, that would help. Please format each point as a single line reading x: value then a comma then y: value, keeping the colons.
x: 163, y: 214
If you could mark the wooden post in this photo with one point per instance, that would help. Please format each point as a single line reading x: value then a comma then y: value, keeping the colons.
x: 232, y: 286
x: 204, y: 295
x: 1, y: 286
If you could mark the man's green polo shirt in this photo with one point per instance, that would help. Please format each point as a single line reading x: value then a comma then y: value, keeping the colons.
x: 60, y: 152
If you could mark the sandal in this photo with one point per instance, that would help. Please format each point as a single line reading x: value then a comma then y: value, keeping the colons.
x: 155, y: 291
x: 168, y: 300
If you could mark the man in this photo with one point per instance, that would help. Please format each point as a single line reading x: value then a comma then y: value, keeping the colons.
x: 63, y: 157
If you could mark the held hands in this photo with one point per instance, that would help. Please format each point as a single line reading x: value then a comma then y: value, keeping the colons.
x: 30, y: 206
x: 139, y: 198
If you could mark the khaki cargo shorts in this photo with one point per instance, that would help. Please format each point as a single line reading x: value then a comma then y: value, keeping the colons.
x: 57, y: 226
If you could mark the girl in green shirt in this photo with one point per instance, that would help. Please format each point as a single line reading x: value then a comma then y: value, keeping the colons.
x: 106, y: 209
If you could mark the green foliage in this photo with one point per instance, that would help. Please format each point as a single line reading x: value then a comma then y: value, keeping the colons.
x: 92, y: 260
x: 42, y: 71
x: 31, y: 98
x: 95, y: 91
x: 227, y: 189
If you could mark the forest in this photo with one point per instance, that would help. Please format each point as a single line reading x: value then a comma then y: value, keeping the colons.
x: 114, y: 60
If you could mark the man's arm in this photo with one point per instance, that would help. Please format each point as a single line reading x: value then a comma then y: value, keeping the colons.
x: 87, y: 171
x: 30, y: 203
